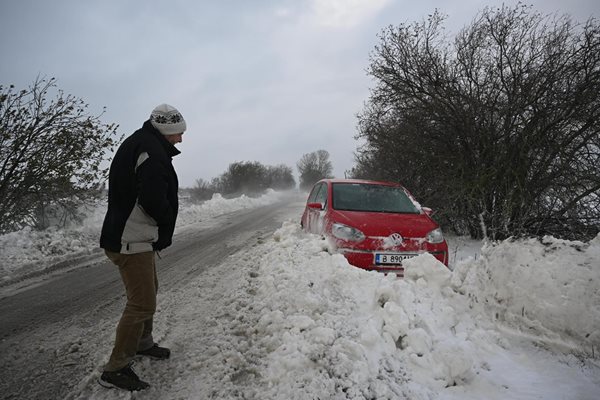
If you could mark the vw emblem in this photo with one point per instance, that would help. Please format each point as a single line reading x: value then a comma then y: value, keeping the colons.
x: 396, y: 238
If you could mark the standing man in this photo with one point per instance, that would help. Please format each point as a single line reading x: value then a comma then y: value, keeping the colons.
x: 140, y: 220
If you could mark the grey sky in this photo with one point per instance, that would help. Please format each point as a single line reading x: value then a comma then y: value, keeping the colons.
x: 256, y: 80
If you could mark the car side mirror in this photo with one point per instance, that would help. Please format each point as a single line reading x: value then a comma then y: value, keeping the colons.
x: 315, y: 206
x: 428, y: 211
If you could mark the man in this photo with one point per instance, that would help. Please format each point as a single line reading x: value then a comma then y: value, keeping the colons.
x: 140, y: 220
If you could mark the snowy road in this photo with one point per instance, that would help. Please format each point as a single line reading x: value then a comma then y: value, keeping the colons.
x: 49, y: 328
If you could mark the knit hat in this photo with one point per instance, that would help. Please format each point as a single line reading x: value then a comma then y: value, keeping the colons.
x: 167, y: 119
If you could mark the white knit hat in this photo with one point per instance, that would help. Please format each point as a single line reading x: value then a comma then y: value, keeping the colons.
x: 167, y: 119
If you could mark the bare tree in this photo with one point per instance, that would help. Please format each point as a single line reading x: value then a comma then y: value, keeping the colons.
x: 246, y: 177
x: 50, y: 153
x: 314, y: 166
x: 252, y: 178
x: 280, y: 177
x: 502, y: 125
x: 202, y: 190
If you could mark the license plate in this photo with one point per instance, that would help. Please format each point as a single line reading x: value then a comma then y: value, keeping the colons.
x: 390, y: 258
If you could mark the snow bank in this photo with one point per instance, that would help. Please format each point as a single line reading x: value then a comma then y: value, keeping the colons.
x: 28, y: 250
x: 218, y: 205
x: 334, y: 331
x: 548, y: 289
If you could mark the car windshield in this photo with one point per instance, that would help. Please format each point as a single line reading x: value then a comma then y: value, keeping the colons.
x: 371, y: 197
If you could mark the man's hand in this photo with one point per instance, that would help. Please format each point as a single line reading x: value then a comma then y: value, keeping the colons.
x: 161, y: 244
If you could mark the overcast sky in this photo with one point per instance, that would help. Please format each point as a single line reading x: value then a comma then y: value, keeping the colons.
x: 260, y: 80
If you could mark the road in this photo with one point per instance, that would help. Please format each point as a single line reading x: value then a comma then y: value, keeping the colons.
x: 48, y: 329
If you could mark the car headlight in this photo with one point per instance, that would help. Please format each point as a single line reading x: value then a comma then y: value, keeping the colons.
x: 435, y: 236
x: 346, y: 232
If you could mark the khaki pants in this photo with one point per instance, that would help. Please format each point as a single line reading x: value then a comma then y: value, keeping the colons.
x: 134, y: 331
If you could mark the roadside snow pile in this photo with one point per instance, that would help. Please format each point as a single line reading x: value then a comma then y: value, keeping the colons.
x: 28, y: 250
x: 335, y: 331
x: 546, y: 288
x: 330, y: 330
x: 218, y: 205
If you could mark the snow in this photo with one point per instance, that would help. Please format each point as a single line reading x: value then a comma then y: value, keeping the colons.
x: 29, y: 251
x: 285, y: 319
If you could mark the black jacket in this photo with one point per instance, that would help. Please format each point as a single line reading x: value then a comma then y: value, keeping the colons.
x: 142, y: 194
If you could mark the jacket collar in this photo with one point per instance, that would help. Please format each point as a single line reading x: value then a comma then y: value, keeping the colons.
x: 171, y: 150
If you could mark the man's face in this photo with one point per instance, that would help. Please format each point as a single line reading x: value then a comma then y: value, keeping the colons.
x: 174, y: 139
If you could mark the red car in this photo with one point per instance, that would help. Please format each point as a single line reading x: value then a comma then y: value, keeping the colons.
x: 375, y: 225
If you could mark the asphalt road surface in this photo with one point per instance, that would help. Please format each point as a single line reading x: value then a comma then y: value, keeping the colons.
x: 47, y: 327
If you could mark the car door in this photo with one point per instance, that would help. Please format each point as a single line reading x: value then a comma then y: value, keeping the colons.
x: 307, y: 215
x: 316, y: 215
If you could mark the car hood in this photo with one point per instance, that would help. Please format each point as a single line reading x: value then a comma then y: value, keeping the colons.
x: 375, y: 224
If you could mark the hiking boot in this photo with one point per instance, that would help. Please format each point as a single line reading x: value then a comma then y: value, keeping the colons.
x: 124, y: 378
x: 157, y: 352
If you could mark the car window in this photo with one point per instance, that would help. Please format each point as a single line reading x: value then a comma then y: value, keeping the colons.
x: 313, y: 194
x: 371, y: 197
x: 322, y: 195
